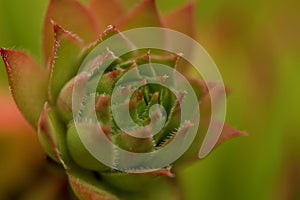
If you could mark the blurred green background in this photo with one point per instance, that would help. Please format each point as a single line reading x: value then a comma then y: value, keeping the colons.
x: 256, y: 45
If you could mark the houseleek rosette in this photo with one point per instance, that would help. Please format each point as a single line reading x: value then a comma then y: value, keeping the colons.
x: 45, y: 96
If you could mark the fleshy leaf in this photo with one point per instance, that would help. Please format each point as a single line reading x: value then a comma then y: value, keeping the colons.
x: 64, y: 61
x: 144, y: 15
x: 65, y: 98
x: 171, y: 125
x: 87, y: 188
x: 182, y: 19
x: 134, y: 181
x: 162, y: 188
x: 102, y: 108
x: 200, y: 88
x: 216, y: 92
x: 133, y: 144
x: 106, y: 12
x: 51, y: 135
x: 78, y: 151
x: 119, y: 46
x: 71, y: 15
x: 191, y: 154
x: 28, y: 83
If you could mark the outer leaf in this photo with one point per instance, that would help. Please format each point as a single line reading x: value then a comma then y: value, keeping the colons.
x: 52, y: 135
x: 64, y: 61
x: 203, y: 94
x: 182, y: 19
x: 201, y: 88
x: 106, y: 12
x: 134, y: 181
x: 192, y: 154
x: 158, y: 188
x: 78, y: 151
x: 144, y: 15
x: 28, y: 83
x: 72, y: 16
x: 86, y: 188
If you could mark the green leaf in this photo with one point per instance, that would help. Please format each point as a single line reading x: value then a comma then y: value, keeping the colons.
x: 135, y: 182
x: 107, y: 81
x: 144, y: 15
x: 129, y: 181
x: 51, y: 135
x: 102, y: 108
x: 28, y: 83
x: 65, y: 60
x: 86, y: 187
x: 171, y: 125
x: 110, y: 50
x: 71, y: 15
x: 78, y: 151
x: 133, y: 144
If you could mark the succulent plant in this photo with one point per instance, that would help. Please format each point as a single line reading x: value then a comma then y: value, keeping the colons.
x: 45, y: 97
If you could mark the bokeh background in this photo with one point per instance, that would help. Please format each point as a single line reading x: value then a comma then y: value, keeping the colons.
x: 255, y: 44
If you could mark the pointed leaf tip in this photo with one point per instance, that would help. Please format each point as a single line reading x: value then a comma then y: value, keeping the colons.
x: 164, y: 172
x: 106, y: 12
x: 63, y: 62
x: 73, y: 16
x: 27, y: 82
x: 229, y: 132
x: 2, y: 51
x: 143, y: 15
x: 182, y: 19
x: 60, y: 31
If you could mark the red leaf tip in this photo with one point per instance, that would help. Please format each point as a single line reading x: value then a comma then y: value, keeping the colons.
x: 43, y: 118
x: 3, y: 53
x: 149, y: 1
x: 229, y: 132
x: 110, y: 28
x: 165, y: 172
x: 58, y: 30
x: 190, y: 6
